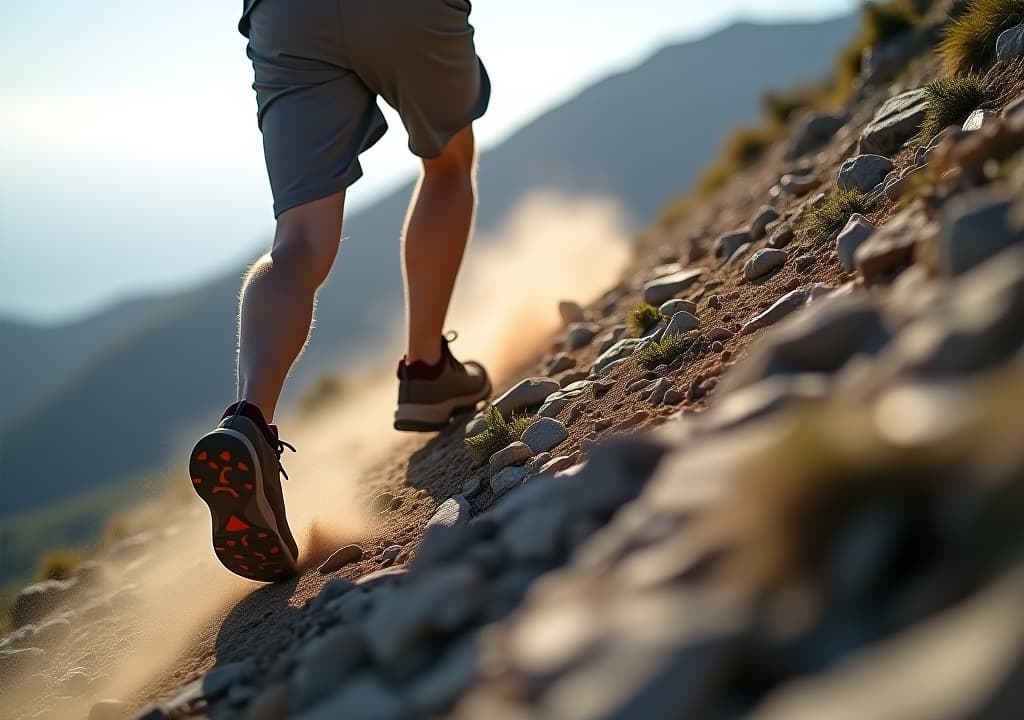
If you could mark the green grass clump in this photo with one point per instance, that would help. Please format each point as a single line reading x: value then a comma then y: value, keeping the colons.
x: 59, y: 564
x: 950, y: 101
x: 500, y: 433
x: 835, y: 211
x: 970, y: 41
x: 661, y: 352
x: 642, y: 318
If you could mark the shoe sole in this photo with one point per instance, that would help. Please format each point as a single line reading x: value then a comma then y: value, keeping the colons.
x: 226, y: 474
x: 413, y: 417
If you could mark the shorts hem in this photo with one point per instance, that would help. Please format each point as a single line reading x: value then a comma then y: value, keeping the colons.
x: 316, y: 192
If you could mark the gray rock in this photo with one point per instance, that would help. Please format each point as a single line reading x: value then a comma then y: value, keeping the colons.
x: 657, y: 392
x: 453, y: 512
x: 676, y: 306
x: 898, y: 120
x: 621, y: 350
x: 797, y: 185
x: 673, y: 397
x: 324, y: 663
x: 557, y: 402
x: 763, y: 262
x: 765, y: 216
x: 476, y: 426
x: 528, y: 393
x: 741, y: 252
x: 1010, y: 43
x: 544, y: 435
x: 898, y: 189
x: 507, y: 479
x: 559, y: 364
x: 831, y: 333
x: 570, y: 311
x: 364, y: 696
x: 611, y: 337
x: 340, y: 558
x: 864, y: 172
x: 217, y: 682
x: 975, y: 228
x: 812, y: 132
x: 331, y: 591
x: 787, y: 304
x: 682, y: 322
x: 515, y: 454
x: 658, y: 291
x: 391, y: 553
x: 857, y: 230
x: 781, y: 236
x: 439, y: 601
x: 891, y: 247
x: 434, y: 690
x: 726, y: 245
x: 557, y: 464
x: 534, y: 536
x: 580, y: 335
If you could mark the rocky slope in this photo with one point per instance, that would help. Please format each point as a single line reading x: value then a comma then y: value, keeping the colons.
x: 796, y: 495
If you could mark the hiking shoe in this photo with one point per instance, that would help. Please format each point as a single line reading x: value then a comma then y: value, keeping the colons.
x: 236, y: 470
x: 429, y: 396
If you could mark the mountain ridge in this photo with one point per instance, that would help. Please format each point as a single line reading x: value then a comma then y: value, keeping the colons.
x: 190, y: 345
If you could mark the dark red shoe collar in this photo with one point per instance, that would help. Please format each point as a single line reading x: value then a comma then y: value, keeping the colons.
x: 421, y: 370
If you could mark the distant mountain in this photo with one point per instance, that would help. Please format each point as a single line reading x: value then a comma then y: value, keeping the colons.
x: 126, y: 385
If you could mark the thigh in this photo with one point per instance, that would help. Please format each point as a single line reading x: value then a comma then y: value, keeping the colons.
x: 316, y: 115
x: 420, y: 56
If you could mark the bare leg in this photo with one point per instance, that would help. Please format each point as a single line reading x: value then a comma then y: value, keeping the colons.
x: 436, y: 233
x: 278, y: 297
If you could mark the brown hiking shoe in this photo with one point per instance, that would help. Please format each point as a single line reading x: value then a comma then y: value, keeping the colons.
x: 429, y: 396
x: 236, y: 470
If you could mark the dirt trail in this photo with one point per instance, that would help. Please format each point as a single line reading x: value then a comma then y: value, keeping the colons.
x: 166, y: 612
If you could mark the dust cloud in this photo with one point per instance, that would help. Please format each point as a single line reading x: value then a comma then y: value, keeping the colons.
x: 550, y: 249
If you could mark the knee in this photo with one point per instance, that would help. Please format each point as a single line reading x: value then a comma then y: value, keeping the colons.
x: 456, y: 161
x: 304, y: 254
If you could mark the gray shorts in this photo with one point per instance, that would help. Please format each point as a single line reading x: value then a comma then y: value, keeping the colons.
x: 320, y: 65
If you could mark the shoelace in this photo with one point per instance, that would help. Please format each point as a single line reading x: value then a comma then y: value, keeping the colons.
x: 450, y: 337
x: 281, y: 447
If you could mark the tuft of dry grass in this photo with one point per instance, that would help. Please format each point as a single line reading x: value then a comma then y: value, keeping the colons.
x: 950, y: 102
x: 970, y: 42
x: 642, y: 318
x: 830, y: 217
x: 662, y: 352
x: 500, y: 433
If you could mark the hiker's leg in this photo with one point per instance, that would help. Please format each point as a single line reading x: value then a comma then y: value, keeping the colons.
x: 278, y: 297
x: 437, y: 229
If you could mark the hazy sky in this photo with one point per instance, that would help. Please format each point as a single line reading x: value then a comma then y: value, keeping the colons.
x: 130, y: 157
